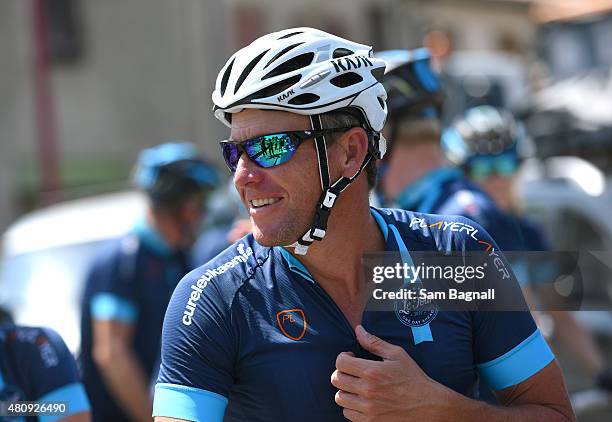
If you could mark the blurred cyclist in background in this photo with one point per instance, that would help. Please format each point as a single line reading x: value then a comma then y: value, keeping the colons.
x: 129, y: 286
x: 488, y: 145
x: 36, y: 365
x: 415, y: 175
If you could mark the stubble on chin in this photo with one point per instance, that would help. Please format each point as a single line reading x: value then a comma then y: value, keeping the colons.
x: 284, y: 235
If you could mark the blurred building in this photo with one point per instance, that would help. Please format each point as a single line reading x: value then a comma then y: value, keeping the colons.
x: 124, y: 75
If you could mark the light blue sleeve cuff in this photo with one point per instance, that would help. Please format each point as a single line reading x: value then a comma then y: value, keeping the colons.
x: 520, y: 363
x: 112, y: 307
x: 74, y: 394
x: 192, y: 404
x: 521, y: 272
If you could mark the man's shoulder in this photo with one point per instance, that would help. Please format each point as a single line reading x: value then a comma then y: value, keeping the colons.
x: 435, y: 231
x: 28, y: 340
x: 231, y: 268
x: 208, y: 292
x: 115, y: 250
x: 115, y: 264
x: 465, y: 198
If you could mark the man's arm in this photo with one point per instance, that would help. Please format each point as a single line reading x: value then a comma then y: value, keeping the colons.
x: 197, y: 352
x: 122, y: 373
x: 397, y: 389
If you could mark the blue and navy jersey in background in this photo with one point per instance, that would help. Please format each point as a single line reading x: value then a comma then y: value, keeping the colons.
x: 534, y: 266
x: 209, y: 244
x: 131, y: 282
x: 447, y: 191
x: 36, y: 365
x: 252, y: 336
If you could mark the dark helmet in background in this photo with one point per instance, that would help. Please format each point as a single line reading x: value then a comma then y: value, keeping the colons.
x: 172, y: 172
x: 413, y: 88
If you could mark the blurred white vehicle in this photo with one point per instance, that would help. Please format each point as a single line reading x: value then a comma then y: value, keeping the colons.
x: 47, y: 253
x: 571, y: 198
x: 473, y: 77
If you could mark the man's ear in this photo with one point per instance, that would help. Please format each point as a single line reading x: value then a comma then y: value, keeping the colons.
x: 353, y: 148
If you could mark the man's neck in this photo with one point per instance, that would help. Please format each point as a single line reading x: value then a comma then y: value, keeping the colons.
x: 335, y: 262
x: 164, y: 228
x: 409, y: 164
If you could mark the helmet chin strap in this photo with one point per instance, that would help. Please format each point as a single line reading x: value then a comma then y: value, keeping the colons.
x: 330, y: 193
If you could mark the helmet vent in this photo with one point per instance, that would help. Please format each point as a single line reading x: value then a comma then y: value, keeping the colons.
x: 276, y: 87
x: 378, y: 73
x: 291, y: 47
x: 291, y: 34
x: 346, y: 80
x: 226, y: 76
x: 297, y: 62
x: 247, y: 70
x: 303, y: 99
x: 341, y: 52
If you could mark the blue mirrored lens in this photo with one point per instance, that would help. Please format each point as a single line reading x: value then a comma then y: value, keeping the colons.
x: 503, y: 166
x: 270, y: 150
x: 231, y: 156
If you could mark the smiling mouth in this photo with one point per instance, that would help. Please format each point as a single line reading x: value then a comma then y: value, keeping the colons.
x: 263, y: 202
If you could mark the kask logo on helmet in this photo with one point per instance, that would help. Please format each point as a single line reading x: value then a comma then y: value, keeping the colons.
x: 285, y: 95
x: 346, y: 63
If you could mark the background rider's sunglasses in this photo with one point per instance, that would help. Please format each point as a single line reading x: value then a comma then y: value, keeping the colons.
x: 483, y: 167
x: 270, y: 150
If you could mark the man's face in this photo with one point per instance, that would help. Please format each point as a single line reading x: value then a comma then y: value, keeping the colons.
x: 189, y: 220
x: 280, y: 200
x: 500, y: 189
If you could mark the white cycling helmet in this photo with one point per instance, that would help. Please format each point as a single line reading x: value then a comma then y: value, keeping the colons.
x: 310, y: 72
x: 304, y: 71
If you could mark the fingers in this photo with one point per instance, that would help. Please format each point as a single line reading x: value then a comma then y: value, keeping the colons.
x: 351, y: 365
x: 350, y: 401
x: 346, y: 382
x: 353, y: 415
x: 377, y: 346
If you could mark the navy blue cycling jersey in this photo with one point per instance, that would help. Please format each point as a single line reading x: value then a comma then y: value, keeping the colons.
x: 36, y: 365
x: 131, y: 282
x: 447, y: 191
x: 252, y: 336
x: 532, y: 236
x: 535, y: 264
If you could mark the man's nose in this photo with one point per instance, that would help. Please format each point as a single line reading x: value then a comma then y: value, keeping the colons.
x: 246, y: 172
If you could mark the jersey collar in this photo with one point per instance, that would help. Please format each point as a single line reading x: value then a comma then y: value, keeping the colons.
x: 151, y: 238
x: 297, y: 267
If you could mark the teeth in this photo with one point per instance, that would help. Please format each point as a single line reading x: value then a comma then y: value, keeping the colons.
x: 264, y: 201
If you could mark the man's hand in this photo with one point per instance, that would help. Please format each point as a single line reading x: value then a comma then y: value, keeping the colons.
x: 395, y: 389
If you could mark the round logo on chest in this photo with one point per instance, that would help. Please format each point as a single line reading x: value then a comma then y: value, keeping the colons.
x: 415, y: 312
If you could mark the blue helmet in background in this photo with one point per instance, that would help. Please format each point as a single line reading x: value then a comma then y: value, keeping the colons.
x: 413, y: 88
x: 484, y: 136
x: 172, y: 171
